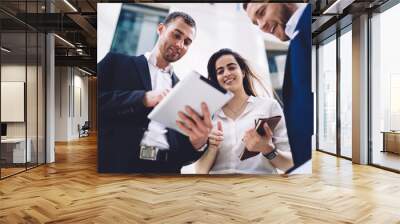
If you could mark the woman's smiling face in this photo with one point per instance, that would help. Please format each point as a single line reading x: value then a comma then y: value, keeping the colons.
x: 229, y: 73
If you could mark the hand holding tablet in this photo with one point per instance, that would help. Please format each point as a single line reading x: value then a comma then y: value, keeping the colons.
x: 184, y: 103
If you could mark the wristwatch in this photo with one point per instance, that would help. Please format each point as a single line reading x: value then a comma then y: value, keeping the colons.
x: 271, y: 155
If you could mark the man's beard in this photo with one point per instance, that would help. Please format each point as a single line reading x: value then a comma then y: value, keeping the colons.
x: 282, y: 33
x: 171, y: 56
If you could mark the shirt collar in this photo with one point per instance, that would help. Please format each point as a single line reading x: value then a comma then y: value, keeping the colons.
x: 151, y: 59
x: 291, y: 25
x: 220, y: 113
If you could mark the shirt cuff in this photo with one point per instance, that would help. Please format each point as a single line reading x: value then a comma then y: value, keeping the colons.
x: 203, y: 148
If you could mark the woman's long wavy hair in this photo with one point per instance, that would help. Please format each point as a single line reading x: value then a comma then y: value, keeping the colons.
x: 248, y: 74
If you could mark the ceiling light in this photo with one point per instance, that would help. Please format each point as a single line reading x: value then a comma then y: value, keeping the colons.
x: 79, y: 51
x: 5, y: 50
x: 338, y: 6
x: 64, y: 40
x: 70, y: 5
x: 84, y: 71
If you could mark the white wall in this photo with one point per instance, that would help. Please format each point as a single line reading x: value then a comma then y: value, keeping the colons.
x: 33, y: 126
x: 61, y: 103
x: 107, y: 18
x: 12, y: 101
x: 12, y: 73
x: 80, y: 84
x: 68, y: 83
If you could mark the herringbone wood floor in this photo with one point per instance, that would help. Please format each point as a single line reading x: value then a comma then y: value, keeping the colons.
x: 71, y: 191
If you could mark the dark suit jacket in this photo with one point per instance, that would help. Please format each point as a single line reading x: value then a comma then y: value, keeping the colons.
x: 122, y: 118
x: 297, y: 92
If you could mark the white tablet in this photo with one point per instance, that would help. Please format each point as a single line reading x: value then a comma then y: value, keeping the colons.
x: 191, y: 91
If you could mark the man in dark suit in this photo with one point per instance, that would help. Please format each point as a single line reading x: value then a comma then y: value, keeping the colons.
x: 129, y: 88
x: 292, y: 21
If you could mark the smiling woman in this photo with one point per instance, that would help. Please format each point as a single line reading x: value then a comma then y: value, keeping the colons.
x: 234, y: 128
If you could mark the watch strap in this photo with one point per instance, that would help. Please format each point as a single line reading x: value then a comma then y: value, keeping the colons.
x: 271, y: 155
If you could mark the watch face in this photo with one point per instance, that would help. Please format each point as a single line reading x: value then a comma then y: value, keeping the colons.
x: 271, y: 155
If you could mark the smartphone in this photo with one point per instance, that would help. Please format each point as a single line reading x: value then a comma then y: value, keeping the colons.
x: 272, y: 123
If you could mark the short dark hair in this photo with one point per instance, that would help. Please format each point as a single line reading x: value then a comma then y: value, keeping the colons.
x: 186, y: 18
x: 245, y: 5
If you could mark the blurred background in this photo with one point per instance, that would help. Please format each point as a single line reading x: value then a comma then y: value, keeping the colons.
x: 49, y: 55
x: 131, y: 29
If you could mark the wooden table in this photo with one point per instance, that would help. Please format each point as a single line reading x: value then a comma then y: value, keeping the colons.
x: 391, y: 141
x: 13, y: 150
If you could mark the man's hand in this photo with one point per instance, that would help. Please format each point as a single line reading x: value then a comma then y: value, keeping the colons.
x: 197, y: 128
x: 256, y: 143
x: 152, y: 98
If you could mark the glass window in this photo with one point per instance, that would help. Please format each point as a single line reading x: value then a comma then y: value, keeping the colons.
x: 385, y: 89
x: 346, y: 94
x: 276, y: 64
x: 31, y: 99
x: 22, y: 93
x: 41, y: 80
x: 327, y: 96
x: 14, y: 153
x: 136, y: 30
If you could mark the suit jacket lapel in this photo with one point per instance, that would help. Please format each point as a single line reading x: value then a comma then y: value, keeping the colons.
x: 302, y: 30
x: 144, y: 72
x: 287, y: 78
x: 302, y: 20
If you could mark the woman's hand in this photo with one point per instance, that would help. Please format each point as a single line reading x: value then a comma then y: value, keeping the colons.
x: 206, y: 161
x: 256, y: 143
x: 216, y: 137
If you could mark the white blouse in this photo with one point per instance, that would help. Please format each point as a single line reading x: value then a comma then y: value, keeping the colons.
x: 227, y: 160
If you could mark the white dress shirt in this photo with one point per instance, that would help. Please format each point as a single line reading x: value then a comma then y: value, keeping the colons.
x: 227, y: 160
x: 160, y: 79
x: 291, y: 25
